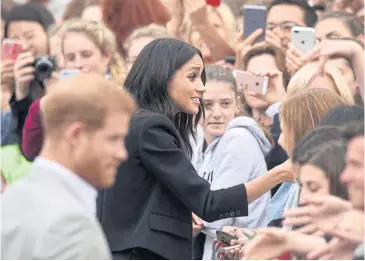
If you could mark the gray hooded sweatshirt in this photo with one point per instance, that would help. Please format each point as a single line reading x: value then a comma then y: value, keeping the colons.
x: 236, y: 157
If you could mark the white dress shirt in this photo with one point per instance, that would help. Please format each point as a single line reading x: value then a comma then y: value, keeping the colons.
x: 84, y: 190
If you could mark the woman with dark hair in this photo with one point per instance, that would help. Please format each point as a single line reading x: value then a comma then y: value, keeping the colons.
x: 343, y: 115
x: 148, y: 212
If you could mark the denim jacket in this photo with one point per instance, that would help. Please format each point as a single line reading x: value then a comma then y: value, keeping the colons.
x: 278, y: 202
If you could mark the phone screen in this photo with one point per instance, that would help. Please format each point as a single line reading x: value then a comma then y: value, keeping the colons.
x: 254, y: 18
x: 68, y: 73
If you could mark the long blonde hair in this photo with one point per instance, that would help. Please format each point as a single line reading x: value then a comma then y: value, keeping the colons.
x: 104, y: 39
x: 302, y: 111
x: 303, y: 78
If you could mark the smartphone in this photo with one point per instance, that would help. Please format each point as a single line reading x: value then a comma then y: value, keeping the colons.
x: 254, y: 17
x: 11, y: 49
x: 68, y: 73
x: 225, y: 238
x: 213, y: 2
x: 252, y: 82
x: 303, y: 38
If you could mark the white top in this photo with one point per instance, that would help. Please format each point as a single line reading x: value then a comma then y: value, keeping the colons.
x: 84, y: 190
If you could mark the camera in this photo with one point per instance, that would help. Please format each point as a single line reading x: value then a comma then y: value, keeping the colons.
x: 44, y: 66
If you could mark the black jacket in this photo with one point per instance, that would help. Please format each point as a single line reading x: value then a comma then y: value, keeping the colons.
x: 151, y: 203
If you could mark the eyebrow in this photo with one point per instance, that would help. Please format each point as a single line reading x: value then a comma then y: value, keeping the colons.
x: 28, y: 32
x: 195, y: 68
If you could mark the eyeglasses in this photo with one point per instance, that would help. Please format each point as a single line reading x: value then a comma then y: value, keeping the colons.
x: 285, y: 26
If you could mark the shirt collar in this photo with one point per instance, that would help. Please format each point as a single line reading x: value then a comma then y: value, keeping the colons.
x: 87, y: 193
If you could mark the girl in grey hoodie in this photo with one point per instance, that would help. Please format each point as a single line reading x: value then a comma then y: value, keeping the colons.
x: 234, y: 154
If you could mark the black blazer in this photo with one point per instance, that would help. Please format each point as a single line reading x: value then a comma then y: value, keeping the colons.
x: 151, y: 203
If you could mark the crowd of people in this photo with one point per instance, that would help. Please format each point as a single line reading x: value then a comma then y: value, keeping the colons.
x: 159, y: 129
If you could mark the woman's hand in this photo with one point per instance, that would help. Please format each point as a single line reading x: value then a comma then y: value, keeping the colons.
x: 273, y: 39
x: 24, y: 74
x: 197, y: 11
x: 351, y: 228
x: 177, y: 16
x: 268, y: 244
x: 336, y: 249
x: 7, y: 72
x: 327, y: 49
x: 244, y: 45
x: 275, y: 82
x: 197, y: 225
x: 294, y: 59
x: 285, y: 170
x: 324, y: 212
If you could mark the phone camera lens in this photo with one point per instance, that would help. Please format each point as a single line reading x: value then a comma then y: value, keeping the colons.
x: 303, y: 42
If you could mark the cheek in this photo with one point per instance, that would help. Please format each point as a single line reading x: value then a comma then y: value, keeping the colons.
x: 229, y: 114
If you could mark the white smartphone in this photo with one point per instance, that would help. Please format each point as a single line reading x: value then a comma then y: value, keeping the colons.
x: 68, y: 73
x: 303, y: 38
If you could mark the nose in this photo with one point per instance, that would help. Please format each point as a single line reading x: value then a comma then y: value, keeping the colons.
x: 216, y: 112
x: 345, y: 177
x: 201, y: 88
x: 122, y: 154
x: 78, y: 64
x: 303, y: 198
x: 25, y: 45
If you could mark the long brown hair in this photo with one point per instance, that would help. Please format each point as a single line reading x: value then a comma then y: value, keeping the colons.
x: 123, y: 16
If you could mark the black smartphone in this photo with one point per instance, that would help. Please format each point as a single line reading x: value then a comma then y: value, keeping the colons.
x: 225, y: 238
x: 254, y: 18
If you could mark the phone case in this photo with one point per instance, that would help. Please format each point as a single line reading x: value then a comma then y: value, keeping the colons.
x: 252, y: 82
x: 213, y: 2
x: 254, y: 18
x: 224, y: 237
x: 10, y: 50
x: 303, y: 38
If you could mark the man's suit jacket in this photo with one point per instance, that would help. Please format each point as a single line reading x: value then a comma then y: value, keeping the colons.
x: 151, y: 203
x: 43, y: 218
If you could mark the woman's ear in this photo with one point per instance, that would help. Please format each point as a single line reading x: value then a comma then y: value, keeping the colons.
x: 107, y: 57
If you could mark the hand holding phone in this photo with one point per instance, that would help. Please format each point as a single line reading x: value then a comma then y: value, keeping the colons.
x: 225, y: 238
x: 10, y: 49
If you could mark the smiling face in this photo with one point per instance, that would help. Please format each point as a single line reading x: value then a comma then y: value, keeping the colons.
x: 31, y: 35
x: 221, y: 106
x: 186, y: 87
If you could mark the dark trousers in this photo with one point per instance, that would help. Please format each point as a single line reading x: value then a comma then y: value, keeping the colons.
x: 136, y: 254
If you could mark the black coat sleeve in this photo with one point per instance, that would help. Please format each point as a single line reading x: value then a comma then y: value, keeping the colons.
x: 160, y: 153
x: 19, y: 110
